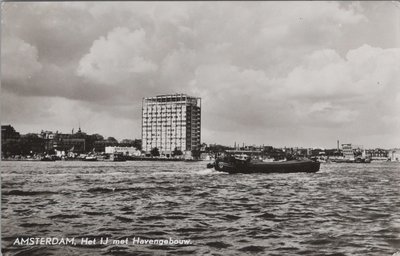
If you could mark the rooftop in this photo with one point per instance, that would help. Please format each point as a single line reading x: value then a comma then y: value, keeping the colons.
x: 171, y: 97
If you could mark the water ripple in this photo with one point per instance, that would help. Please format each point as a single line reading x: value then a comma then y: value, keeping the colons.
x: 344, y: 209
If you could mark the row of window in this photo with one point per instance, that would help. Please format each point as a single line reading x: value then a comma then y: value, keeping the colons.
x: 163, y: 114
x: 170, y: 136
x: 164, y: 111
x: 149, y: 124
x: 164, y: 145
x: 164, y: 104
x: 164, y: 138
x: 180, y: 109
x: 175, y: 122
x: 172, y: 132
x: 164, y: 134
x: 153, y: 120
x: 165, y: 107
x: 179, y: 122
x: 172, y: 145
x: 164, y: 129
x: 165, y: 141
x: 154, y: 132
x: 149, y: 119
x: 154, y: 129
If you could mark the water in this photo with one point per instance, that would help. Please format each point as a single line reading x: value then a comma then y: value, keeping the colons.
x: 345, y: 209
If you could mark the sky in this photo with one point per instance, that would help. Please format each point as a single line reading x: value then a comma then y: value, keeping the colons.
x: 301, y: 74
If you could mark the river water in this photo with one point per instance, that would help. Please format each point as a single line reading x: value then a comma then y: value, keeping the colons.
x: 344, y: 209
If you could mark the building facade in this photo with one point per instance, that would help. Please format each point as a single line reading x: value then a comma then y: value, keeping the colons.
x: 348, y: 152
x: 378, y: 154
x: 351, y: 152
x: 394, y: 155
x: 171, y: 122
x: 8, y: 132
x: 129, y: 151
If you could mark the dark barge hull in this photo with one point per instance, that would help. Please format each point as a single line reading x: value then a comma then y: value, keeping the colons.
x: 291, y: 166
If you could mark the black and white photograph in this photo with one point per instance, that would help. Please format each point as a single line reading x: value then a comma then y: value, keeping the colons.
x: 200, y: 128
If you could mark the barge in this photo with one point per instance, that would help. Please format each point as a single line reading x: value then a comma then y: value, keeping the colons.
x: 232, y: 164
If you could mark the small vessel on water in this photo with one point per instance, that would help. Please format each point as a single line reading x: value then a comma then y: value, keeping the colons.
x: 241, y: 164
x: 117, y: 157
x: 352, y: 154
x: 47, y: 158
x: 210, y: 165
x: 90, y: 158
x: 356, y: 160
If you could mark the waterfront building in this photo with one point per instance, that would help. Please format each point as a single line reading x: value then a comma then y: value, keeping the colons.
x: 347, y: 151
x: 57, y: 143
x: 130, y: 151
x: 31, y: 143
x: 100, y: 145
x: 351, y: 152
x: 78, y: 142
x: 394, y: 155
x: 8, y: 132
x: 72, y: 144
x: 378, y: 154
x: 171, y: 122
x: 9, y: 141
x: 48, y: 137
x: 303, y: 152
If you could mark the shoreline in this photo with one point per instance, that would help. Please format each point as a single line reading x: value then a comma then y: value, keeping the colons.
x: 106, y: 160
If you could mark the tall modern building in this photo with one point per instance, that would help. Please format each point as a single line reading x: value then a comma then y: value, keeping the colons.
x: 171, y: 121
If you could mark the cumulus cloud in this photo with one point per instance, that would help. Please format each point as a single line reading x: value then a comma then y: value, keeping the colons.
x: 119, y: 56
x: 19, y: 60
x: 351, y: 94
x: 365, y: 76
x: 268, y: 72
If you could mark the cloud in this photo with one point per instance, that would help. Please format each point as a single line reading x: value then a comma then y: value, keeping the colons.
x: 19, y: 60
x: 118, y: 57
x: 325, y: 90
x: 156, y: 47
x: 365, y: 72
x: 66, y: 114
x: 308, y: 70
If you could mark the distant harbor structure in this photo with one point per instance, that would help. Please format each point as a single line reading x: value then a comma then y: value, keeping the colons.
x: 171, y: 122
x: 348, y: 152
x: 131, y: 151
x: 394, y: 154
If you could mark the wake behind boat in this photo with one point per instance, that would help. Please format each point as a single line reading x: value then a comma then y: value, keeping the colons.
x: 244, y: 164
